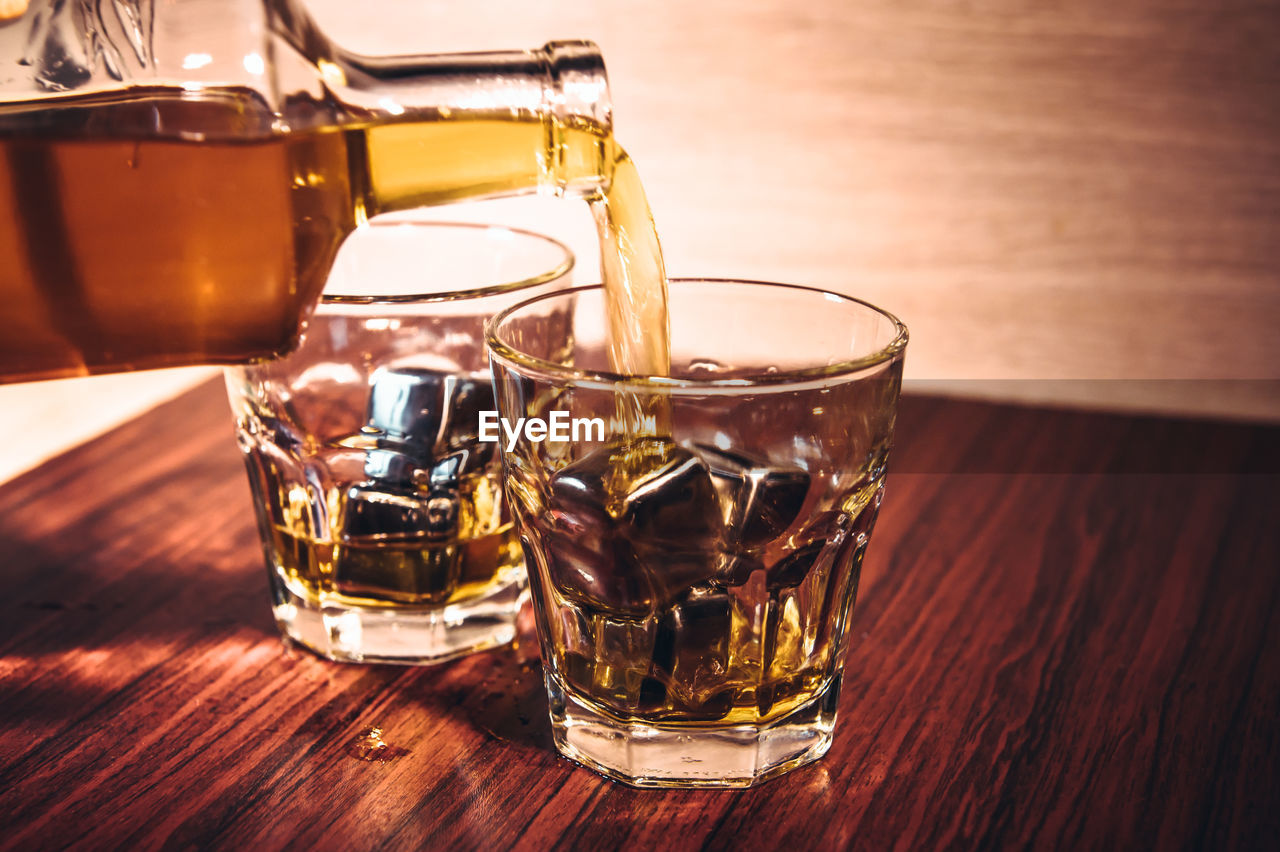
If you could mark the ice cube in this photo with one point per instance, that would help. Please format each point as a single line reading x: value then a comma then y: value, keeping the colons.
x: 824, y: 537
x: 807, y: 572
x: 790, y: 571
x: 736, y: 567
x: 402, y: 501
x: 759, y: 500
x: 390, y: 467
x: 632, y: 526
x: 691, y: 654
x: 407, y: 403
x: 788, y: 646
x: 433, y: 412
x: 468, y: 396
x: 621, y: 652
x: 398, y: 542
x: 412, y: 569
x: 382, y: 511
x: 446, y: 472
x: 604, y: 658
x: 442, y: 513
x: 810, y: 591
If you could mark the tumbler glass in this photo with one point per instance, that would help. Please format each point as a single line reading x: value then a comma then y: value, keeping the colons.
x: 693, y: 573
x: 383, y: 522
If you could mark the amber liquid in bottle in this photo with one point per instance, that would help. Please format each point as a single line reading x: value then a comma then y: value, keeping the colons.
x: 208, y: 238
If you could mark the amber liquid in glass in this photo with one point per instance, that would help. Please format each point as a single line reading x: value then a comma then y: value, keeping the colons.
x: 480, y: 553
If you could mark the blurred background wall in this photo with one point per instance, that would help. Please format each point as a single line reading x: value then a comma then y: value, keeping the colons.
x: 1067, y: 202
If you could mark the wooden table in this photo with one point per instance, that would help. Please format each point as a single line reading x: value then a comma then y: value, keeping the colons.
x: 1066, y: 635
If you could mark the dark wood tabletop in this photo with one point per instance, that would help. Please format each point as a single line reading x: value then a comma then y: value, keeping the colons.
x: 1066, y: 636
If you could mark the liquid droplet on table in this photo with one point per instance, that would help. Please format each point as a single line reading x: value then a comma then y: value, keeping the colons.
x: 370, y: 746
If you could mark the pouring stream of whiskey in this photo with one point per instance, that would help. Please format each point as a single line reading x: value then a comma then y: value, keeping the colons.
x: 635, y: 287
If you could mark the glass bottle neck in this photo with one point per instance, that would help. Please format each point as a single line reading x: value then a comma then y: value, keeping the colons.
x: 564, y: 80
x: 540, y: 119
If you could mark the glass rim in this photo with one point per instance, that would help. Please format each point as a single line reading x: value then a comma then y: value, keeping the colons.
x: 559, y: 270
x: 572, y: 375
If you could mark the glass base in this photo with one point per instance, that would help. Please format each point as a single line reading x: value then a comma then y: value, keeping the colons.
x: 645, y: 755
x: 404, y: 635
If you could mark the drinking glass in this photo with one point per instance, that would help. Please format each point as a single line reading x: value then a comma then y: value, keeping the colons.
x: 693, y: 570
x: 386, y: 534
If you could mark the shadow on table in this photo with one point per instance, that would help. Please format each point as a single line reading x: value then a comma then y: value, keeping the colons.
x: 75, y: 617
x: 66, y: 593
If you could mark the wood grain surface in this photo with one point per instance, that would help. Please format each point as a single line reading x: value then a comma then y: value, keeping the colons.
x: 1066, y: 637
